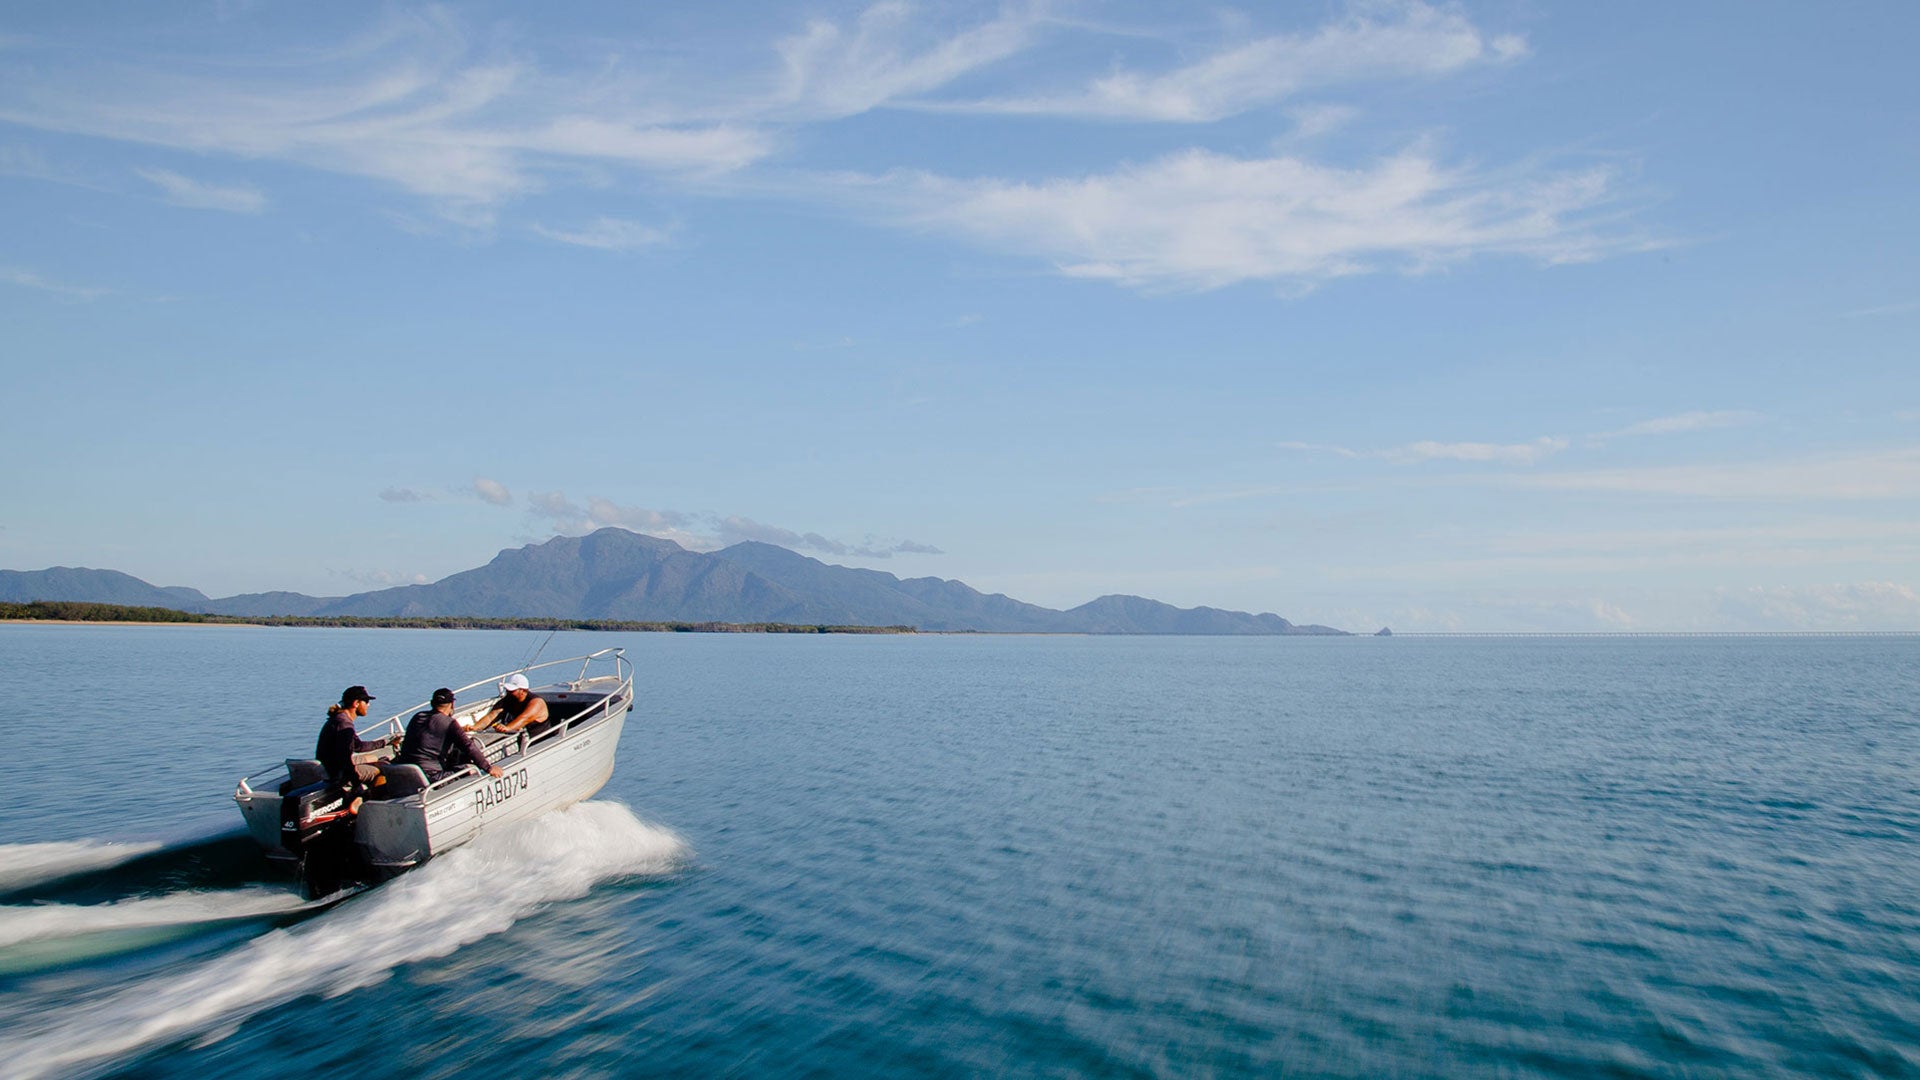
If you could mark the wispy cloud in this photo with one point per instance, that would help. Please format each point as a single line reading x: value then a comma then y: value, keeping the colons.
x: 1202, y: 220
x: 609, y: 234
x: 182, y: 191
x: 888, y: 54
x: 1901, y: 308
x: 27, y: 279
x: 1714, y: 541
x: 406, y: 495
x: 469, y: 123
x: 492, y: 491
x: 1530, y: 453
x: 733, y: 530
x: 1858, y: 606
x: 703, y: 531
x: 1425, y: 450
x: 1867, y: 605
x: 414, y: 103
x: 1891, y: 474
x: 568, y: 518
x: 32, y: 164
x: 1682, y: 422
x: 1501, y: 453
x: 1382, y: 41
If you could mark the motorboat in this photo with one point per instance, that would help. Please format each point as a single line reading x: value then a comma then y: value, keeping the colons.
x: 299, y: 819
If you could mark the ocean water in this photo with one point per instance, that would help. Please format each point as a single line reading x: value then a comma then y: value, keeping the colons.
x: 999, y: 856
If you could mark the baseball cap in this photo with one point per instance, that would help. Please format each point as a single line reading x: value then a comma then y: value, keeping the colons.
x: 443, y: 696
x: 354, y: 693
x: 515, y: 681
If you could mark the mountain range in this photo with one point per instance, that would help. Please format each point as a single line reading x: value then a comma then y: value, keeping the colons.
x: 617, y: 574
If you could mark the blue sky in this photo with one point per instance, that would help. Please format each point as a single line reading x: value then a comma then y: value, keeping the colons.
x: 1497, y: 316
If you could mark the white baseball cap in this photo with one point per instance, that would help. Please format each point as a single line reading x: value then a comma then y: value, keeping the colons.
x: 513, y: 682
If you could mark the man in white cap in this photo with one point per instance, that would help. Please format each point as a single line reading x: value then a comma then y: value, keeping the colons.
x: 517, y: 708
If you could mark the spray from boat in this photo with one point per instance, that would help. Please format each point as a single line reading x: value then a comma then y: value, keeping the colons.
x: 420, y: 916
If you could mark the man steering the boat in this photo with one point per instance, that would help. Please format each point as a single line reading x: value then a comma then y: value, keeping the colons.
x: 517, y: 708
x: 437, y: 743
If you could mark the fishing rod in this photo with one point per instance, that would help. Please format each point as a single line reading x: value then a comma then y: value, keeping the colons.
x: 527, y: 661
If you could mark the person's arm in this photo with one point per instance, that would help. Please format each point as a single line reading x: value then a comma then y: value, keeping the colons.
x: 534, y: 713
x: 474, y: 751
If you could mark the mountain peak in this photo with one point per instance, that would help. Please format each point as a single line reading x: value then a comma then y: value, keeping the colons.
x: 615, y: 573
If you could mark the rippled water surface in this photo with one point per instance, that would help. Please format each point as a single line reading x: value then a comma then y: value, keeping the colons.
x: 1024, y: 856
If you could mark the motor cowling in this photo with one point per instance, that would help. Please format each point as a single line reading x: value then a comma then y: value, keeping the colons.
x: 317, y: 829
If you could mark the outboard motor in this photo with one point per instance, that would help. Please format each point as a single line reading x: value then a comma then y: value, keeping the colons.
x: 317, y: 830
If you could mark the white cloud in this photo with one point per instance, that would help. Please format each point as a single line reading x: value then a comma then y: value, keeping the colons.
x: 1412, y: 39
x: 1202, y: 220
x: 1892, y: 474
x: 637, y: 518
x: 1414, y: 453
x: 1684, y: 422
x: 1868, y: 605
x: 1504, y: 454
x: 609, y: 234
x: 1313, y: 121
x: 492, y: 491
x: 571, y: 519
x: 1743, y: 541
x: 702, y: 532
x: 181, y: 191
x: 27, y: 279
x: 1885, y: 309
x: 412, y: 104
x: 835, y: 72
x: 423, y: 104
x: 406, y: 495
x: 733, y: 530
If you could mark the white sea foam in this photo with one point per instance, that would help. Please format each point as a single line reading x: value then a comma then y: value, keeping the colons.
x: 423, y: 915
x: 43, y: 922
x: 22, y: 865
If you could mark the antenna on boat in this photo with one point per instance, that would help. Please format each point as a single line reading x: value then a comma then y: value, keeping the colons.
x: 528, y: 662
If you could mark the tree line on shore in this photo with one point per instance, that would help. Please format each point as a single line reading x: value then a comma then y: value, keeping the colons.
x: 75, y: 611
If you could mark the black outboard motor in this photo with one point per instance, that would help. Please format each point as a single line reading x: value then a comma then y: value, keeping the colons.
x: 317, y: 830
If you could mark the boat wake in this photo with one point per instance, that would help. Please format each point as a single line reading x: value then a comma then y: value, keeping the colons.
x: 420, y: 916
x: 38, y: 923
x: 25, y: 865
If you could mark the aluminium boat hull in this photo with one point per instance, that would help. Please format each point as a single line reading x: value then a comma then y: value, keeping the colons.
x: 568, y: 762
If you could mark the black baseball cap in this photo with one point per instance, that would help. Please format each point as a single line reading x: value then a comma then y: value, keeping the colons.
x: 354, y: 693
x: 443, y: 696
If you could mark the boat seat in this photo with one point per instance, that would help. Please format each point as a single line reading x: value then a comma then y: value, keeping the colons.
x: 302, y: 772
x: 402, y: 781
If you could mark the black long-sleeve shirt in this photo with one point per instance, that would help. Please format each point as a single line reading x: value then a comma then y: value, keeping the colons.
x: 436, y: 742
x: 338, y: 743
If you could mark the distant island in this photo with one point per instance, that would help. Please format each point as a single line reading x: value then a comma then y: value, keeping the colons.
x: 77, y: 611
x: 616, y: 579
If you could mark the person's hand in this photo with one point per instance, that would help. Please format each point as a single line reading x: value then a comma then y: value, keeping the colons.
x: 495, y: 772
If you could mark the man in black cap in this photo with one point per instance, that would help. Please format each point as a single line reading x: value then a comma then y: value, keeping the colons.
x: 339, y: 742
x: 436, y: 742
